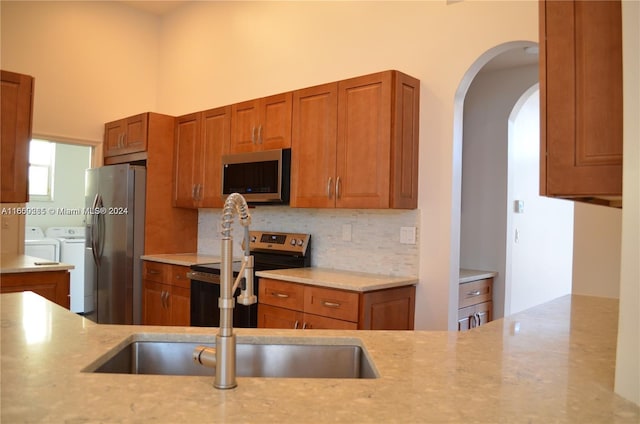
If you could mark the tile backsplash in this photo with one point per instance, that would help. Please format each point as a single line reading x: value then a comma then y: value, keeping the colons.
x: 375, y: 236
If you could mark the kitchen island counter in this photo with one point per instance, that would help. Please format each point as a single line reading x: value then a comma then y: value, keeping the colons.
x: 552, y: 363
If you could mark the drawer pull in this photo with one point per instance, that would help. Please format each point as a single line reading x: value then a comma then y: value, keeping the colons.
x: 473, y: 293
x: 280, y: 295
x: 331, y: 304
x: 153, y: 271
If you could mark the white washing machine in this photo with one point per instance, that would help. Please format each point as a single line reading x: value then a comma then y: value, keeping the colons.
x: 71, y: 241
x: 37, y: 245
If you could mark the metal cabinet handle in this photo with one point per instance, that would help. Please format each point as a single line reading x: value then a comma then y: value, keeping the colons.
x: 331, y: 304
x: 473, y: 293
x: 260, y: 134
x: 329, y: 188
x: 304, y: 326
x: 253, y: 135
x: 280, y: 295
x: 166, y: 300
x: 153, y: 271
x: 295, y: 325
x: 337, y: 188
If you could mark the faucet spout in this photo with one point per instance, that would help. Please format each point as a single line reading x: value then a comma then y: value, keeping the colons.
x: 225, y: 352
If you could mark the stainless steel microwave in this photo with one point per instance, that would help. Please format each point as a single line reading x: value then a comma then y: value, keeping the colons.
x: 261, y: 177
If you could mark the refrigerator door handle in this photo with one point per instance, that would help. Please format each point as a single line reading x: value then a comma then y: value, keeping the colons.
x: 94, y: 224
x: 101, y: 228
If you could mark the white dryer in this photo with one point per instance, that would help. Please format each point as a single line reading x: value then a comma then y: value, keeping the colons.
x: 71, y: 241
x: 37, y: 245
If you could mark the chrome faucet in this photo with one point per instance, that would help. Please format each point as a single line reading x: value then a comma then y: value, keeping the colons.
x: 223, y: 356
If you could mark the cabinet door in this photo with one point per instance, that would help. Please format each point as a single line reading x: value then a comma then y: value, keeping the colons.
x: 581, y: 98
x: 216, y: 136
x: 466, y: 318
x: 363, y: 151
x: 125, y: 136
x: 274, y: 317
x: 484, y: 312
x: 113, y: 137
x: 390, y: 309
x: 135, y: 134
x: 17, y: 105
x: 313, y: 153
x: 274, y: 128
x: 154, y: 303
x: 179, y: 302
x: 244, y: 126
x: 187, y: 160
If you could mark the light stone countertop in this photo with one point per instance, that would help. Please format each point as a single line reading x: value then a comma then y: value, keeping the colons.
x: 184, y: 259
x: 12, y: 263
x: 337, y: 279
x: 468, y: 275
x: 556, y: 365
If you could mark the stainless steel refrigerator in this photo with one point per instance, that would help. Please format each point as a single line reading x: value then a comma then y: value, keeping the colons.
x: 115, y: 204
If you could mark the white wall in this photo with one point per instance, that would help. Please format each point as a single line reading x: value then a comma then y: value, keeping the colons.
x: 596, y: 250
x: 540, y: 260
x: 71, y: 162
x: 93, y: 62
x: 483, y: 222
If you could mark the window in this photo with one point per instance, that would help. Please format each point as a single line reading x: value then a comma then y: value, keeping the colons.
x: 42, y: 155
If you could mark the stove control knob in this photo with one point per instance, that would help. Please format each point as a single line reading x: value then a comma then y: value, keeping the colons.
x: 253, y: 239
x: 292, y: 242
x: 300, y: 242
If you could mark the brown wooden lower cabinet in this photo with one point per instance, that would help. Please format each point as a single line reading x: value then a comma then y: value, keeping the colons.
x: 475, y: 303
x: 283, y: 304
x: 166, y: 294
x: 52, y: 285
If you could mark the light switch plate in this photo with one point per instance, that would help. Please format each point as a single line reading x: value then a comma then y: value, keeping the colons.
x: 408, y: 235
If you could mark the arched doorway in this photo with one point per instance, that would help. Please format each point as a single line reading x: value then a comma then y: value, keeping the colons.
x: 484, y: 101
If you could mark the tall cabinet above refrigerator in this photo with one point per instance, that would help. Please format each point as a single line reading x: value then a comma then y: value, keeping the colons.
x: 115, y: 202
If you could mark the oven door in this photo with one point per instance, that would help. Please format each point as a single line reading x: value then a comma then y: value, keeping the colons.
x: 205, y: 291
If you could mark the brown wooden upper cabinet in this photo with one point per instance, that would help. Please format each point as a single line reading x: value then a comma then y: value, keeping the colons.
x: 581, y: 100
x: 200, y: 140
x: 355, y: 143
x: 124, y: 136
x: 16, y: 113
x: 261, y: 124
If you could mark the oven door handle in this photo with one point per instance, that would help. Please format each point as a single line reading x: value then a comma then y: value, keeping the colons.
x: 203, y: 276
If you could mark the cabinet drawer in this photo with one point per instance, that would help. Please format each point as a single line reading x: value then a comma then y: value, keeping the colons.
x: 179, y: 276
x: 281, y: 293
x: 331, y: 303
x: 475, y: 292
x: 323, y: 323
x: 156, y: 271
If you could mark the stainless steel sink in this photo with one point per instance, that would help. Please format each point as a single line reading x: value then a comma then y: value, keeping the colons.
x: 253, y: 360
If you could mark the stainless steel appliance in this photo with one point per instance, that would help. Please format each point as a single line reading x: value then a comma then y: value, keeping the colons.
x: 115, y: 205
x: 260, y: 177
x: 270, y: 250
